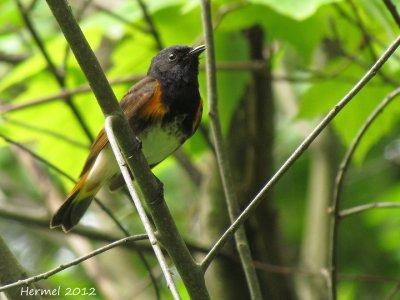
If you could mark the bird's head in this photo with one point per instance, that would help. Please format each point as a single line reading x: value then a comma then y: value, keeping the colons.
x: 176, y: 63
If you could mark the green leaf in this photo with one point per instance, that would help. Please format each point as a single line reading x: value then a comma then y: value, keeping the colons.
x: 295, y: 9
x: 36, y: 63
x: 277, y: 26
x: 322, y: 96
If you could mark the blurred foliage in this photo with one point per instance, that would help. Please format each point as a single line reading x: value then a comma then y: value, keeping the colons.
x: 312, y: 41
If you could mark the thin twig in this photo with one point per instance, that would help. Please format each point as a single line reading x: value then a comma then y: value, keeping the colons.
x: 140, y: 209
x: 11, y: 58
x: 151, y: 25
x: 64, y: 93
x: 64, y: 174
x: 339, y: 180
x: 242, y: 244
x: 150, y: 186
x: 46, y: 131
x: 62, y: 267
x: 392, y: 9
x: 300, y: 150
x: 52, y: 68
x: 221, y: 66
x: 119, y: 18
x: 193, y: 172
x: 361, y: 208
x: 393, y: 292
x: 81, y: 11
x: 96, y: 235
x: 363, y: 30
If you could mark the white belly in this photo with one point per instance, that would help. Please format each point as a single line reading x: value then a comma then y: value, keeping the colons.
x: 159, y: 142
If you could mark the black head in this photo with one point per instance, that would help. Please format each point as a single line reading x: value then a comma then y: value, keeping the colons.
x: 176, y: 64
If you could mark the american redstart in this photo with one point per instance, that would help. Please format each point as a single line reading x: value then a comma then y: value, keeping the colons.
x: 163, y: 109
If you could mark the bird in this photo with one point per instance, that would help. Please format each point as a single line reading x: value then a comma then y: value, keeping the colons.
x: 163, y: 109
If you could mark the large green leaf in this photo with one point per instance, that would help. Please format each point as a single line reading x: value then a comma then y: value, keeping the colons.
x: 294, y: 33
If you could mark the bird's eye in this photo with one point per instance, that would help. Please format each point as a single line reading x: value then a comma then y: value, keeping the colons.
x: 172, y: 57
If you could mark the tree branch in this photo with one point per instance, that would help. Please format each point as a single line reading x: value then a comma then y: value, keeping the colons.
x: 392, y: 9
x: 119, y: 18
x: 52, y: 68
x: 46, y: 131
x: 337, y: 189
x: 149, y: 185
x: 62, y: 267
x: 242, y: 244
x: 139, y: 207
x: 302, y: 148
x: 361, y: 208
x: 151, y: 25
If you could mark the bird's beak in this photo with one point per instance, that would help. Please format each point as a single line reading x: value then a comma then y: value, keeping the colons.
x: 197, y: 50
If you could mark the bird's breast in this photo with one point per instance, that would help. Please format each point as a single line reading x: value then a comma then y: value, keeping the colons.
x: 161, y: 139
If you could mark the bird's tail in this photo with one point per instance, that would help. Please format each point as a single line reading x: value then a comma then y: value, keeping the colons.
x: 75, y: 206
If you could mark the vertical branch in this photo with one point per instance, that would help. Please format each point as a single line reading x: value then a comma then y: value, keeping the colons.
x: 337, y: 190
x: 11, y: 271
x: 149, y: 185
x: 223, y: 163
x: 58, y: 76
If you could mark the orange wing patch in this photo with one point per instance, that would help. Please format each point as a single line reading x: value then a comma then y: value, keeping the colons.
x: 197, y: 116
x: 155, y: 108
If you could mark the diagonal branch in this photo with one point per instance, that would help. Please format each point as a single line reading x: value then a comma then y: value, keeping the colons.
x: 151, y: 25
x: 242, y: 244
x: 393, y: 10
x: 300, y: 150
x: 64, y: 174
x: 62, y: 267
x: 337, y: 189
x: 139, y: 207
x: 149, y: 185
x: 58, y: 76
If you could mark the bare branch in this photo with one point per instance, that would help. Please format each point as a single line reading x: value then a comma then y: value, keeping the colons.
x: 64, y: 93
x: 222, y: 66
x: 242, y: 244
x: 361, y: 208
x: 151, y: 25
x: 302, y: 148
x: 337, y: 189
x: 139, y: 207
x: 62, y: 267
x: 392, y: 9
x: 46, y: 131
x: 52, y: 68
x: 11, y: 58
x: 193, y: 172
x: 393, y: 292
x: 119, y: 18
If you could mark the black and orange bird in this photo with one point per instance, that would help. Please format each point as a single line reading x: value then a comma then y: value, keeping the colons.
x: 163, y: 109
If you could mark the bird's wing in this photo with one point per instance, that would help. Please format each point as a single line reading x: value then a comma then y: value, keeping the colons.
x: 142, y: 102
